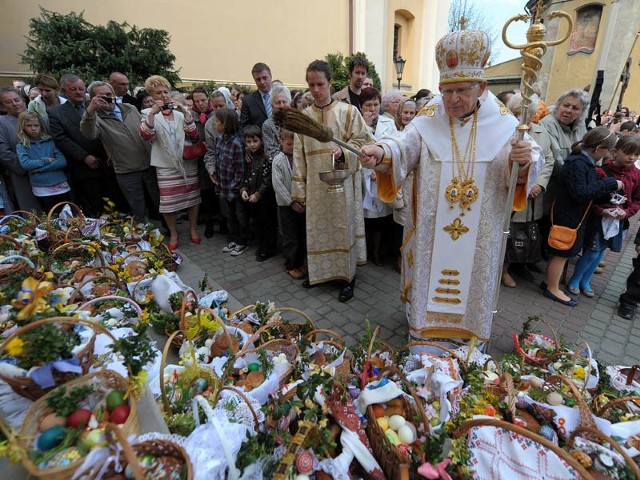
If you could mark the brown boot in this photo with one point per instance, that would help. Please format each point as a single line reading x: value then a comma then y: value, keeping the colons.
x: 507, y: 280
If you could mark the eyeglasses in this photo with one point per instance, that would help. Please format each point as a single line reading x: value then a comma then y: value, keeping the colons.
x: 461, y: 92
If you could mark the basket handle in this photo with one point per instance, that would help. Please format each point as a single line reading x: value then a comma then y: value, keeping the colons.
x: 586, y: 418
x: 631, y: 375
x: 15, y: 242
x: 576, y: 356
x: 163, y: 365
x: 18, y: 257
x: 612, y: 403
x: 412, y: 392
x: 129, y: 454
x: 417, y: 343
x: 62, y: 204
x: 376, y: 332
x: 139, y: 253
x: 300, y: 313
x: 135, y: 306
x: 114, y: 279
x: 246, y: 400
x: 188, y: 295
x: 594, y: 432
x: 79, y: 245
x: 233, y: 473
x: 462, y: 430
x: 335, y: 338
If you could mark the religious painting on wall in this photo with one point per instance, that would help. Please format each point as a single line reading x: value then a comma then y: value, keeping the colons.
x: 585, y: 33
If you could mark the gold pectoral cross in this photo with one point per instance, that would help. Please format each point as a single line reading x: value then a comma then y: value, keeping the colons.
x: 456, y: 229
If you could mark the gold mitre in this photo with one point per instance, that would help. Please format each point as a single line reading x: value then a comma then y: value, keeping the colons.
x: 462, y: 55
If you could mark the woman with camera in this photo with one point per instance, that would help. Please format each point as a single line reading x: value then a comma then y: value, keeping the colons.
x: 166, y: 125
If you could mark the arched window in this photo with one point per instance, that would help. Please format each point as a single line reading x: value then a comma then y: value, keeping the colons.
x: 397, y: 36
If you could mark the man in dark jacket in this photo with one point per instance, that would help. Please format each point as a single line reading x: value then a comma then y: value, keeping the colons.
x: 256, y: 108
x: 629, y: 299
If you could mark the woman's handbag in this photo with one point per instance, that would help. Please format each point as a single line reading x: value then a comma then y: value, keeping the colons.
x: 191, y: 151
x: 524, y: 242
x: 561, y: 237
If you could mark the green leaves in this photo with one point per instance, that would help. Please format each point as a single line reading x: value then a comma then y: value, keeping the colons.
x: 63, y: 403
x: 60, y: 44
x: 340, y: 67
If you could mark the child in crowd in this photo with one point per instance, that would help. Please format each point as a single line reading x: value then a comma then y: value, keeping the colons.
x: 38, y: 155
x: 608, y: 222
x: 292, y: 224
x: 258, y: 192
x: 227, y: 173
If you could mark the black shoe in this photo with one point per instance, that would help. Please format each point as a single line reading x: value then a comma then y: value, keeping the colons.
x: 307, y: 284
x: 346, y: 293
x: 262, y: 256
x: 208, y: 230
x: 626, y: 311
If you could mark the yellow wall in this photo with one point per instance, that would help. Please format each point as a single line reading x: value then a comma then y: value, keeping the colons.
x: 409, y: 15
x: 216, y: 40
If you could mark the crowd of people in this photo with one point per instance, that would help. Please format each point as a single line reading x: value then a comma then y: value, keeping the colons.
x: 218, y: 158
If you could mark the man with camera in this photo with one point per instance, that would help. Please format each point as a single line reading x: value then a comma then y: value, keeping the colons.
x: 116, y: 126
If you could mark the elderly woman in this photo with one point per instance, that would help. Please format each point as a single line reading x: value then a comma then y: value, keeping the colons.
x: 280, y: 99
x: 165, y: 125
x: 407, y: 111
x: 561, y: 129
x: 377, y: 214
x: 390, y: 103
x: 534, y: 210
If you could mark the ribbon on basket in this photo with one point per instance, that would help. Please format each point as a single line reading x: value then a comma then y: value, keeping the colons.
x: 435, y: 472
x: 43, y: 376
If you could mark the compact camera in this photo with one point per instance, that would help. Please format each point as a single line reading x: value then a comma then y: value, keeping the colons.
x: 168, y: 106
x: 109, y: 99
x: 617, y: 199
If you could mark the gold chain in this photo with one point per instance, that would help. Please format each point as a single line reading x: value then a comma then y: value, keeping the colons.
x: 462, y: 190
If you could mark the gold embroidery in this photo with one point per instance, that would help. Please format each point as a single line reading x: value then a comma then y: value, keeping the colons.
x: 503, y: 109
x: 448, y: 291
x: 456, y: 229
x: 429, y: 110
x: 410, y: 258
x: 454, y: 301
x: 453, y: 273
x: 462, y: 189
x: 447, y: 281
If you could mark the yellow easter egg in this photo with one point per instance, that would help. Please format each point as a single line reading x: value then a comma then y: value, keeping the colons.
x: 383, y: 423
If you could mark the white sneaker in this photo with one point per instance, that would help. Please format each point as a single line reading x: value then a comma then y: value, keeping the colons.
x: 239, y: 250
x: 229, y: 248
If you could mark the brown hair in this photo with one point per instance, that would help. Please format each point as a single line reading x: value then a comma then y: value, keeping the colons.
x: 596, y: 137
x: 629, y: 144
x: 229, y: 119
x: 46, y: 81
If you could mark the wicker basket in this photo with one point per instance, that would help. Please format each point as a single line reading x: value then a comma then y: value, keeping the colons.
x: 394, y: 464
x: 153, y: 447
x: 66, y: 277
x: 102, y: 274
x: 172, y: 260
x: 20, y: 221
x: 464, y: 429
x: 14, y: 264
x: 104, y: 381
x: 334, y: 340
x: 55, y: 235
x: 133, y: 304
x: 25, y: 386
x: 555, y: 343
x: 363, y: 361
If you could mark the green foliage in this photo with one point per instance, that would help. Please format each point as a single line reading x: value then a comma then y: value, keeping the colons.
x: 45, y: 344
x: 340, y: 67
x: 60, y: 44
x: 63, y: 403
x: 136, y: 350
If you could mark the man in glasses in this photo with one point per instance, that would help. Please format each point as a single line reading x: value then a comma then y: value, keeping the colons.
x: 461, y: 148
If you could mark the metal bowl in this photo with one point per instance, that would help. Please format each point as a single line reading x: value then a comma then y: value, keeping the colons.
x: 335, y: 179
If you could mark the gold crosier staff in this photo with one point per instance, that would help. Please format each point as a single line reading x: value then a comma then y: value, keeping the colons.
x: 531, y: 52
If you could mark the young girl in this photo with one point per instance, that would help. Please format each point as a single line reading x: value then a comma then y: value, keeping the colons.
x: 38, y: 155
x: 227, y: 173
x: 606, y: 225
x: 579, y: 185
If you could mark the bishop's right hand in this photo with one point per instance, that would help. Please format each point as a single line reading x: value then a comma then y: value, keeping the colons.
x: 373, y: 155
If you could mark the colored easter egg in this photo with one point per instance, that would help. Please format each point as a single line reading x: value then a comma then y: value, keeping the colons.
x: 254, y: 367
x: 79, y: 418
x: 120, y: 414
x: 51, y: 420
x: 383, y: 422
x: 392, y: 437
x: 51, y: 438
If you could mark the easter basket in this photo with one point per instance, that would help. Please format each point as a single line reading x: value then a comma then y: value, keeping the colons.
x: 600, y: 454
x: 9, y: 245
x: 114, y: 300
x: 25, y: 386
x: 172, y: 260
x: 377, y: 354
x: 69, y: 257
x: 624, y: 379
x: 332, y: 344
x: 580, y: 369
x: 395, y: 460
x: 534, y: 347
x: 13, y: 265
x: 103, y: 382
x: 503, y: 451
x: 97, y: 282
x: 137, y: 459
x: 56, y: 231
x: 19, y: 222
